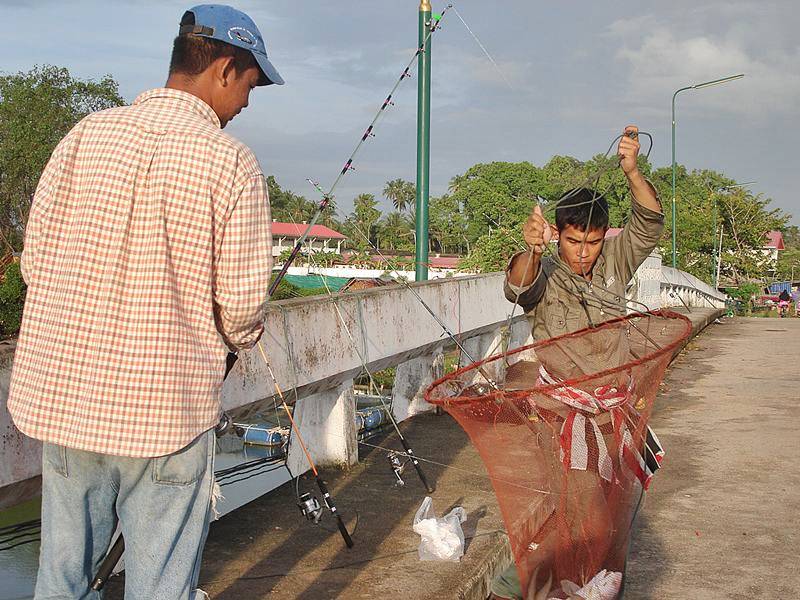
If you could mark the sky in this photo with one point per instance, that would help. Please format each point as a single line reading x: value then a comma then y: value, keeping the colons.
x: 570, y: 76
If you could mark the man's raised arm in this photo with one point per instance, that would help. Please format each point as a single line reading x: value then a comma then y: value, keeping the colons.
x: 524, y: 284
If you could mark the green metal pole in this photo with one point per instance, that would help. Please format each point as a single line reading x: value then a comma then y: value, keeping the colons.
x: 423, y: 140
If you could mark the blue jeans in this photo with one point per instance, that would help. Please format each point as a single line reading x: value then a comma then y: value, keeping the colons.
x: 162, y: 505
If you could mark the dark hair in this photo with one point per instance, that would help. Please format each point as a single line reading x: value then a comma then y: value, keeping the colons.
x: 581, y: 207
x: 193, y: 54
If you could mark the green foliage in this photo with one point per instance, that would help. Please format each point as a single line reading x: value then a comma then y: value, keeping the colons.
x: 708, y: 202
x: 492, y: 251
x: 746, y: 294
x: 395, y: 232
x: 362, y: 223
x: 289, y: 207
x: 299, y: 260
x: 497, y: 194
x: 791, y: 237
x: 447, y: 224
x: 326, y: 259
x: 286, y: 291
x: 12, y: 299
x: 788, y: 264
x: 37, y: 109
x: 402, y: 194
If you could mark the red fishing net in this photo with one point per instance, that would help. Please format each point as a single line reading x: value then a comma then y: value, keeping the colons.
x: 561, y: 426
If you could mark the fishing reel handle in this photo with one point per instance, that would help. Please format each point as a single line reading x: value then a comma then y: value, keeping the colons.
x: 326, y: 496
x: 417, y: 466
x: 108, y: 564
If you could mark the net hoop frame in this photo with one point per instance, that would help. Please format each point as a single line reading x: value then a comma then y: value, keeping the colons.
x: 490, y: 395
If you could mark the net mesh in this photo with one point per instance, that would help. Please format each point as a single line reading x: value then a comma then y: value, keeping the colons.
x: 563, y: 442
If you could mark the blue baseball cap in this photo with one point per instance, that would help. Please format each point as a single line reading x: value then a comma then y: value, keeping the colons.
x: 226, y: 24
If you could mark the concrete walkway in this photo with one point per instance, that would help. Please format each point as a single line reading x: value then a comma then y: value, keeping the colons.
x: 267, y: 549
x: 721, y: 518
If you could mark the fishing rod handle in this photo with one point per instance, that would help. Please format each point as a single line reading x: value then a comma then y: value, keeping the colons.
x: 343, y: 530
x: 108, y: 564
x: 430, y: 488
x: 326, y: 496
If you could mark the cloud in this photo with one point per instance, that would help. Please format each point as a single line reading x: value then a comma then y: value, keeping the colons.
x: 659, y: 61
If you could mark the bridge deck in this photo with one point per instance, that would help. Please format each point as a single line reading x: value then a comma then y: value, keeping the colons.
x: 719, y: 521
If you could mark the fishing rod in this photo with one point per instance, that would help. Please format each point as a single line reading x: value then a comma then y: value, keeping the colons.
x: 307, y: 503
x: 397, y: 468
x: 490, y: 380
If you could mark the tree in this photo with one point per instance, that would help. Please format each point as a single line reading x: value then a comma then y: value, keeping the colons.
x: 747, y: 220
x: 395, y: 232
x: 492, y: 251
x: 791, y: 236
x: 704, y: 209
x: 498, y: 194
x: 788, y: 267
x: 361, y: 223
x: 400, y: 193
x: 37, y: 109
x: 447, y: 223
x: 291, y: 208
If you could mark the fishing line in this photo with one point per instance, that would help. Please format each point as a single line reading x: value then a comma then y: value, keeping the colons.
x: 428, y: 487
x: 482, y: 47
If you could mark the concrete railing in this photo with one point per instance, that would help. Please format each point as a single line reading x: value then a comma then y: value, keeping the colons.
x: 679, y: 288
x: 316, y: 346
x: 656, y: 285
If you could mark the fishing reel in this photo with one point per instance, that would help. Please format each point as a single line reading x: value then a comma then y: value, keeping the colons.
x: 310, y: 507
x: 224, y: 426
x: 398, y: 465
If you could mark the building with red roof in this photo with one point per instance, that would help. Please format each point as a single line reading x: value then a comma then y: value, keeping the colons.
x: 320, y: 238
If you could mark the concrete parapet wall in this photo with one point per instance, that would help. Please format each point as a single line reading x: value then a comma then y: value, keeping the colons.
x: 316, y: 346
x: 679, y: 288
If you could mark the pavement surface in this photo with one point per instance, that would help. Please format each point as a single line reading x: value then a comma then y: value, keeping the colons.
x: 719, y: 520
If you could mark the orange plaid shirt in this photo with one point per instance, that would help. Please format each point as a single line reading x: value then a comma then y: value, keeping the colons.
x: 147, y: 256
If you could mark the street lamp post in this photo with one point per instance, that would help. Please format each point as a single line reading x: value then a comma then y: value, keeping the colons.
x: 696, y: 86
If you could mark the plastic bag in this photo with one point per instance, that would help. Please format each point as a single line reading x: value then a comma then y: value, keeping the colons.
x: 442, y: 539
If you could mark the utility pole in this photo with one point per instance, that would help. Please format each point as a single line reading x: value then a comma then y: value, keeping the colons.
x: 423, y: 139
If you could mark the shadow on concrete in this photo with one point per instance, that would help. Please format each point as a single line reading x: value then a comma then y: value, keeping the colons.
x: 267, y: 549
x: 315, y: 557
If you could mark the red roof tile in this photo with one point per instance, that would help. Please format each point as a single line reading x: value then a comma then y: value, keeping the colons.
x: 775, y: 240
x: 295, y: 230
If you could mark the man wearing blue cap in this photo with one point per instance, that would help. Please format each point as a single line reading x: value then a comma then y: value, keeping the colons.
x: 147, y: 257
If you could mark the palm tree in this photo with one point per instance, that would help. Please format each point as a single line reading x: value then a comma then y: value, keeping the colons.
x: 401, y: 193
x: 393, y: 229
x: 456, y: 182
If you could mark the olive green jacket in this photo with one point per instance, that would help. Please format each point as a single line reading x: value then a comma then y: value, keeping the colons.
x: 557, y: 302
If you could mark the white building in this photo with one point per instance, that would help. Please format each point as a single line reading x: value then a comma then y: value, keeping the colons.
x: 320, y: 238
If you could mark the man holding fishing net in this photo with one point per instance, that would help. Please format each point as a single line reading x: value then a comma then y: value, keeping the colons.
x: 582, y: 286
